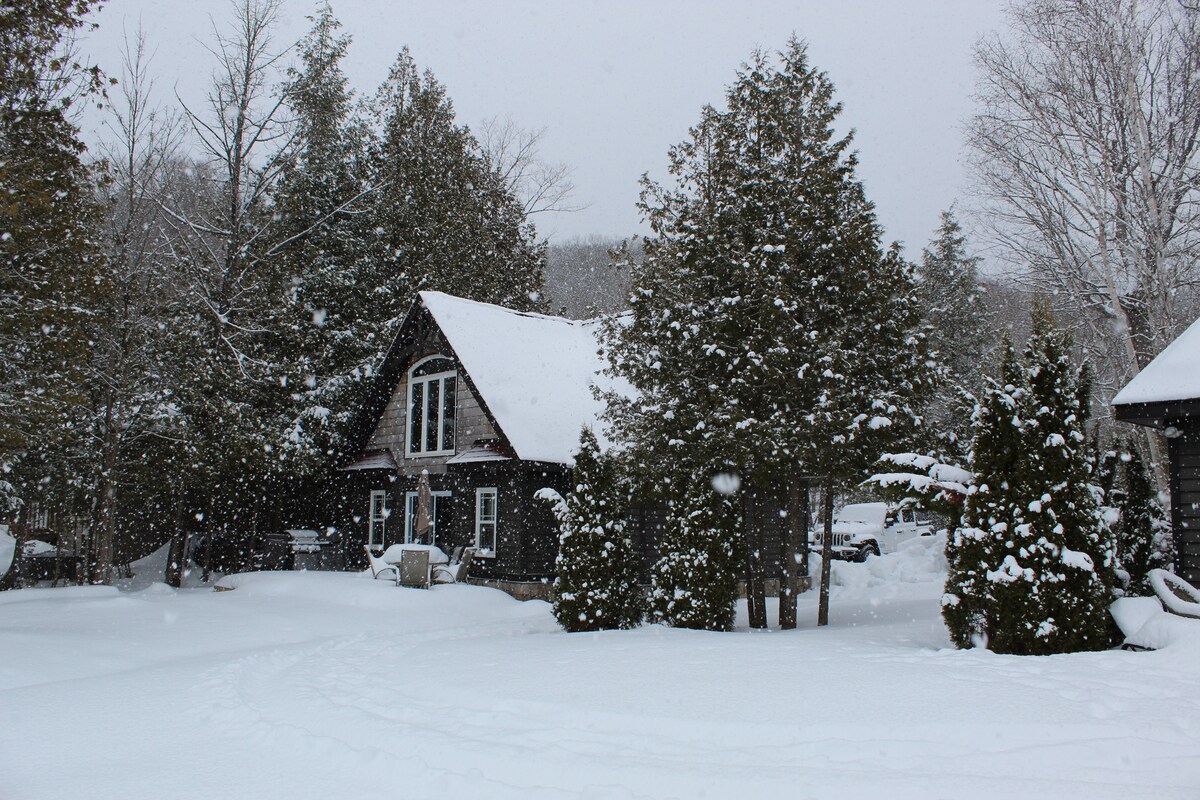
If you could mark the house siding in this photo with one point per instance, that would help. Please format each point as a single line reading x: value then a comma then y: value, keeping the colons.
x: 1184, y: 452
x: 470, y: 424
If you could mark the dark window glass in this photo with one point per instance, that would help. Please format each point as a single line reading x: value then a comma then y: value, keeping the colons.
x: 416, y: 415
x: 431, y: 427
x: 448, y: 414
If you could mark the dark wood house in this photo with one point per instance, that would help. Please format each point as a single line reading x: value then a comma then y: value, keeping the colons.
x: 490, y: 403
x: 1166, y: 395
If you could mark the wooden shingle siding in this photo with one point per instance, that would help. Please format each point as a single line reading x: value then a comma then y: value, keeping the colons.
x: 1185, y: 498
x: 470, y: 423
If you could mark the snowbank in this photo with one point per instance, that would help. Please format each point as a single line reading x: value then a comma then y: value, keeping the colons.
x: 8, y: 550
x: 315, y: 685
x: 920, y: 561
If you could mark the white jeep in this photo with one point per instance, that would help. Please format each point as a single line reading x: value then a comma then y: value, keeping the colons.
x: 861, y: 530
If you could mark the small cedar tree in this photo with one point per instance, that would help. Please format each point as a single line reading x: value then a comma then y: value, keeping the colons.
x: 597, y: 585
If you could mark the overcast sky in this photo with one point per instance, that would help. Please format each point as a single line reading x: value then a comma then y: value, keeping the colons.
x: 616, y: 83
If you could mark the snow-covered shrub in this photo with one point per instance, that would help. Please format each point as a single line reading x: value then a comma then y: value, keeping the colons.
x: 695, y: 581
x: 597, y: 584
x: 1031, y: 569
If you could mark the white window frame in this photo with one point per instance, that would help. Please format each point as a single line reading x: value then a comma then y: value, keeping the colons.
x: 446, y: 448
x: 480, y: 522
x: 410, y: 514
x: 377, y: 523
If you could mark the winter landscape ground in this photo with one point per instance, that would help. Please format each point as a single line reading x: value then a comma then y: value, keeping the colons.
x: 331, y: 685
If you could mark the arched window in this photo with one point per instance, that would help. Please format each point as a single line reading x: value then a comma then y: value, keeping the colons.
x: 431, y: 385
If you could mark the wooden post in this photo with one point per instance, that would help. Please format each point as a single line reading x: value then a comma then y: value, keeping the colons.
x: 826, y: 551
x: 789, y: 558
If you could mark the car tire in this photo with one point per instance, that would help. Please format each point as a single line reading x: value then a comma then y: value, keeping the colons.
x: 866, y: 551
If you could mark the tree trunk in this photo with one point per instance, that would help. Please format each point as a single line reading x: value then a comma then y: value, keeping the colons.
x: 826, y: 552
x: 756, y: 590
x: 177, y: 553
x: 794, y: 540
x: 104, y: 525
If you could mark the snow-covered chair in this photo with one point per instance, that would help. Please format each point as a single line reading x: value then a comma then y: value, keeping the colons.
x: 456, y: 570
x: 381, y: 569
x: 1150, y: 623
x: 1177, y: 595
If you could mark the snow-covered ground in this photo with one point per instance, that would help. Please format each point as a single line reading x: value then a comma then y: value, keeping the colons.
x: 318, y: 685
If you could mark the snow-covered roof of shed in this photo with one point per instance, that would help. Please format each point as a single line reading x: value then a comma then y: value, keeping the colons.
x: 1173, y: 375
x: 534, y: 372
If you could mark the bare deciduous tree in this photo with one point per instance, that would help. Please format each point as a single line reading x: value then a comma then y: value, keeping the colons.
x: 244, y: 140
x: 129, y: 379
x: 513, y: 153
x: 1087, y: 155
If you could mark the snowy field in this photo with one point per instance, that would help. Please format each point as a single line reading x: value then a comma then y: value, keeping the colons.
x: 311, y: 685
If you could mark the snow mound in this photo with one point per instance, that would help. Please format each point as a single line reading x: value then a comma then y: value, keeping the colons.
x: 8, y: 549
x: 916, y: 561
x: 1146, y: 624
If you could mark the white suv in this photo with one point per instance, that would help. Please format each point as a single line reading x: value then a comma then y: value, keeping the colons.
x: 861, y: 530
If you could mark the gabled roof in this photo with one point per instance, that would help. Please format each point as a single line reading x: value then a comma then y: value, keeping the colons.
x: 1173, y: 375
x: 533, y: 372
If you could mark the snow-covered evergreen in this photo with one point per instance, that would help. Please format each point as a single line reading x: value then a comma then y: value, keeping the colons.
x: 694, y: 584
x: 770, y: 332
x: 959, y: 335
x: 597, y: 585
x: 444, y: 219
x: 1031, y: 570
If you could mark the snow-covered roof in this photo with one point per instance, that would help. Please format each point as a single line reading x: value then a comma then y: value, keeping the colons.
x: 1173, y: 375
x: 534, y: 372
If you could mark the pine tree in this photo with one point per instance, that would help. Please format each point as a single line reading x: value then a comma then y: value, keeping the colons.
x: 694, y: 583
x: 971, y: 605
x: 597, y: 584
x: 1142, y: 532
x: 952, y: 299
x: 327, y: 335
x: 444, y: 219
x: 770, y: 333
x: 1031, y: 569
x: 52, y: 276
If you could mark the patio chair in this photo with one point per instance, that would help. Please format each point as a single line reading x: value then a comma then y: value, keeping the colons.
x: 380, y: 568
x: 456, y: 570
x: 414, y: 569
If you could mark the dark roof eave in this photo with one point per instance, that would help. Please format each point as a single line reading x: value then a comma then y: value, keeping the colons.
x: 1156, y: 415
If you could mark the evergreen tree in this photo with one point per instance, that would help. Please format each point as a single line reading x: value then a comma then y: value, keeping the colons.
x: 52, y: 276
x: 328, y: 337
x: 444, y: 218
x: 1031, y: 569
x: 694, y: 583
x: 770, y: 333
x: 597, y: 584
x: 952, y: 299
x: 1143, y: 534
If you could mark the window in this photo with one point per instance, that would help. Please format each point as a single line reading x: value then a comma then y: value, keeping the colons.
x: 377, y: 519
x: 410, y: 516
x: 431, y: 385
x: 487, y: 513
